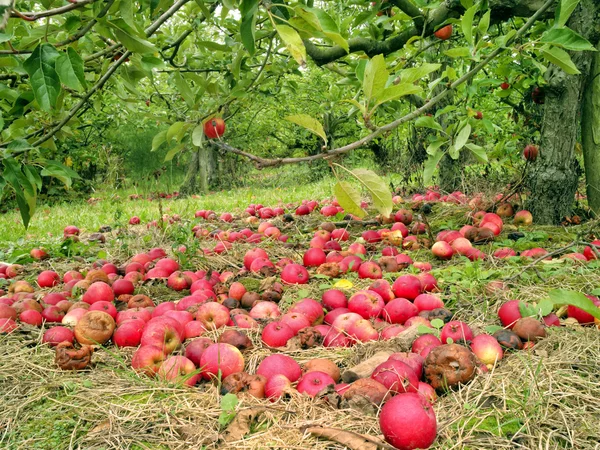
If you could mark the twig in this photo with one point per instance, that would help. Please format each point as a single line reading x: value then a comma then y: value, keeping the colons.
x: 546, y: 256
x: 31, y: 16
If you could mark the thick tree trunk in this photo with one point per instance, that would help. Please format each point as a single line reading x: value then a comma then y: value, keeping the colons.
x: 590, y: 135
x: 450, y: 173
x: 200, y: 171
x: 191, y: 183
x: 554, y: 175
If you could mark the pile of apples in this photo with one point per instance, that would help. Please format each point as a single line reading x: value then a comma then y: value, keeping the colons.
x: 176, y: 340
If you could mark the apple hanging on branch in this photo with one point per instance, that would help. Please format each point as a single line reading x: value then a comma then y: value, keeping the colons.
x: 444, y: 33
x: 214, y: 128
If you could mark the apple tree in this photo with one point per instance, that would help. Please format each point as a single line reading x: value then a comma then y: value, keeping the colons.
x: 203, y: 58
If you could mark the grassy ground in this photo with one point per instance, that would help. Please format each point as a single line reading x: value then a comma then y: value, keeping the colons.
x: 544, y: 398
x: 114, y: 208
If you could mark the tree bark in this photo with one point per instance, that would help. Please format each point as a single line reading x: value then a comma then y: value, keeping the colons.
x: 191, y: 182
x: 553, y: 176
x: 590, y: 135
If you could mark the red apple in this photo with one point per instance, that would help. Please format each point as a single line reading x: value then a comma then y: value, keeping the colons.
x: 276, y: 334
x: 48, y: 278
x: 366, y: 303
x: 279, y: 364
x: 265, y: 310
x: 147, y: 359
x: 56, y: 335
x: 276, y: 387
x: 399, y: 310
x: 456, y: 330
x: 221, y: 360
x: 407, y: 286
x: 194, y: 350
x: 312, y: 309
x: 163, y: 333
x: 294, y: 274
x: 334, y: 298
x: 424, y: 341
x: 129, y: 333
x: 397, y: 376
x: 407, y: 421
x: 99, y: 291
x: 213, y: 315
x: 179, y: 370
x: 314, y: 382
x: 487, y: 349
x: 427, y: 302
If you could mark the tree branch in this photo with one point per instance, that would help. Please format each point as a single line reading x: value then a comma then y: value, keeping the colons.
x: 324, y: 55
x: 31, y: 16
x: 266, y: 162
x: 500, y: 10
x: 102, y: 81
x: 411, y: 11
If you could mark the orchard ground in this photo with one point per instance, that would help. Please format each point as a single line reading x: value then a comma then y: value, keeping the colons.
x: 543, y: 398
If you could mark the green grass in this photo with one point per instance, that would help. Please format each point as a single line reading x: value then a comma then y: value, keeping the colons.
x: 115, y: 208
x: 46, y: 409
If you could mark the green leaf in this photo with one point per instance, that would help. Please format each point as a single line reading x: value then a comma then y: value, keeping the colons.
x: 59, y: 171
x: 427, y: 122
x: 560, y: 58
x: 526, y: 310
x: 229, y: 402
x: 467, y: 23
x: 4, y: 37
x: 293, y: 42
x: 198, y: 135
x: 437, y: 323
x: 458, y: 52
x: 417, y: 73
x: 545, y: 306
x: 171, y: 153
x: 129, y: 39
x: 491, y: 329
x: 424, y: 329
x: 358, y: 105
x: 311, y: 124
x: 478, y: 152
x: 158, y: 140
x: 175, y: 130
x: 378, y: 188
x: 25, y: 191
x: 564, y: 11
x: 148, y: 63
x: 375, y: 78
x: 462, y: 137
x: 396, y: 91
x: 126, y: 10
x: 348, y: 198
x: 568, y: 39
x: 203, y: 8
x: 248, y: 10
x: 214, y: 46
x: 435, y: 145
x: 42, y: 75
x: 430, y: 165
x: 184, y: 89
x: 564, y: 297
x: 322, y: 22
x: 484, y: 23
x: 69, y: 67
